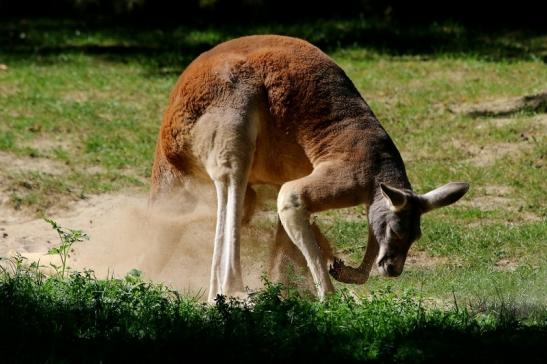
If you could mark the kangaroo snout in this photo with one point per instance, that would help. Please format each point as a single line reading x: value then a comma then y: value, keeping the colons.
x: 391, y: 266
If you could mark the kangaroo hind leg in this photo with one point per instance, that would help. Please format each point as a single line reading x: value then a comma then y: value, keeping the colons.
x: 230, y: 147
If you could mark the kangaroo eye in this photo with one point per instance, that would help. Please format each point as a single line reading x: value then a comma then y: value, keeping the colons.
x: 397, y: 230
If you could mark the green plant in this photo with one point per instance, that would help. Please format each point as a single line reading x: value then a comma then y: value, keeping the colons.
x: 68, y: 238
x: 96, y: 320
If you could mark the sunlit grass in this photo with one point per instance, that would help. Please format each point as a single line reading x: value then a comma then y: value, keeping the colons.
x: 91, y: 99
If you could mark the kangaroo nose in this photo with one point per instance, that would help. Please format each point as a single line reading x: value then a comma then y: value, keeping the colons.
x: 392, y: 270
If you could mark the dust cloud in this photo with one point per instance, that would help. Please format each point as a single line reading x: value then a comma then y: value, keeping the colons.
x: 171, y: 243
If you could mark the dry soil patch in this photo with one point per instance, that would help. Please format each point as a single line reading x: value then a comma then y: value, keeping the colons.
x: 172, y: 245
x: 12, y: 163
x: 487, y: 155
x: 503, y: 106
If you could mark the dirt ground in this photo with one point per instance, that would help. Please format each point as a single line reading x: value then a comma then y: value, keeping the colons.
x: 168, y: 244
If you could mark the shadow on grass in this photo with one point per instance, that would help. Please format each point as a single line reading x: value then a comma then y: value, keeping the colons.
x: 421, y: 346
x: 527, y: 104
x: 82, y: 319
x: 172, y: 47
x: 501, y: 108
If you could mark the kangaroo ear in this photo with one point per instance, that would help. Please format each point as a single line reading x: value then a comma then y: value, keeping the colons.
x: 443, y: 196
x: 395, y: 198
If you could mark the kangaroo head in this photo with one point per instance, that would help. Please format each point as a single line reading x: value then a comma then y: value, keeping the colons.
x: 395, y: 220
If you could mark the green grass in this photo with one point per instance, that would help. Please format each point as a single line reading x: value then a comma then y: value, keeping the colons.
x: 85, y: 101
x: 482, y: 263
x: 100, y: 92
x: 84, y: 319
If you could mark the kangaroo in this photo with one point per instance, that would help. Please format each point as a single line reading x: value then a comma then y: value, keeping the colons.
x: 276, y: 110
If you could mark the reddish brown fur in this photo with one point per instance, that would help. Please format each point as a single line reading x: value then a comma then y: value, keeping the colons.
x: 277, y: 110
x: 311, y: 111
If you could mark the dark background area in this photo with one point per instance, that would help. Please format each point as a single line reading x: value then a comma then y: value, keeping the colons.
x: 484, y: 14
x: 156, y: 30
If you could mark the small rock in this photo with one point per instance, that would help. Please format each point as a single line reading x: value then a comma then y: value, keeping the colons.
x: 3, y: 67
x: 5, y: 235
